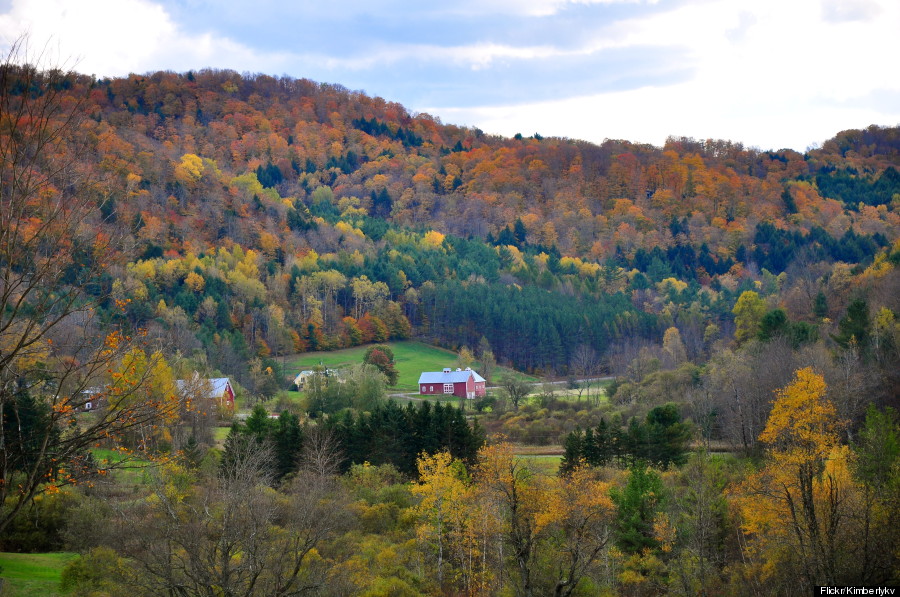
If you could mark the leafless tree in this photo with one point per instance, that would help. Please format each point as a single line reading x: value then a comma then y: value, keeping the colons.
x: 321, y: 454
x: 584, y: 365
x: 53, y: 249
x: 232, y: 535
x: 198, y: 413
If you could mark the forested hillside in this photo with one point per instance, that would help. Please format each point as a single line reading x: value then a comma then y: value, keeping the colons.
x: 162, y: 229
x: 265, y: 216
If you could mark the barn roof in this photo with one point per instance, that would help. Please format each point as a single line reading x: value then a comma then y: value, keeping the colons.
x: 218, y: 386
x: 448, y: 376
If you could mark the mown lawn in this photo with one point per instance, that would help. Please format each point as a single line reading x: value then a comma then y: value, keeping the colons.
x: 32, y: 574
x: 411, y: 358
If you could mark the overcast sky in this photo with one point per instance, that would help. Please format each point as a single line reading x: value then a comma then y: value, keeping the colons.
x: 768, y: 73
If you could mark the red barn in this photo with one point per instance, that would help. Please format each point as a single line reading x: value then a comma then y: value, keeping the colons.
x: 217, y: 390
x: 222, y: 392
x: 461, y: 383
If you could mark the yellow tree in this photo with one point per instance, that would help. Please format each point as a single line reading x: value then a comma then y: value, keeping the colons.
x: 748, y: 311
x: 144, y: 382
x: 798, y: 510
x: 579, y: 511
x: 443, y: 491
x: 519, y: 496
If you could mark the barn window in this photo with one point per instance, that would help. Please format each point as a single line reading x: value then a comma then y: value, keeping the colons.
x: 448, y: 388
x: 430, y: 388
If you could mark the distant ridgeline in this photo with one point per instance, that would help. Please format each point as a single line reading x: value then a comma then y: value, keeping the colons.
x: 271, y: 215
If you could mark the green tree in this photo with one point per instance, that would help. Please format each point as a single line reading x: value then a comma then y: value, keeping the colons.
x: 514, y: 389
x: 573, y: 451
x: 638, y: 506
x: 878, y: 450
x: 667, y: 436
x: 287, y: 442
x: 773, y: 324
x: 854, y: 327
x: 382, y: 357
x: 820, y: 305
x: 702, y: 520
x: 282, y: 438
x: 748, y: 311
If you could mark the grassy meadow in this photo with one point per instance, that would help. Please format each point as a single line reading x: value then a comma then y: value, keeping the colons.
x: 32, y: 574
x: 411, y: 358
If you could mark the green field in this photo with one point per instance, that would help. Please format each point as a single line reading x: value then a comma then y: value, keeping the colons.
x: 547, y: 464
x: 411, y: 358
x: 134, y: 471
x: 220, y: 434
x: 29, y: 574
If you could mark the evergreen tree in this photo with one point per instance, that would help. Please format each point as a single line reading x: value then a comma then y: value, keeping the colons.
x: 572, y: 452
x: 854, y: 325
x: 605, y: 442
x: 773, y: 324
x: 520, y: 233
x: 283, y: 436
x: 287, y: 440
x: 820, y: 305
x: 790, y: 206
x: 667, y: 436
x: 637, y: 507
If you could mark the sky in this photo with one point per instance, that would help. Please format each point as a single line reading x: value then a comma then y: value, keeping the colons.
x: 771, y: 74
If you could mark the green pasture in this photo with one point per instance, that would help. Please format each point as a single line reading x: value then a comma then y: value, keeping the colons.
x: 128, y: 469
x: 434, y: 399
x: 31, y: 574
x: 547, y: 464
x: 592, y: 393
x: 411, y: 358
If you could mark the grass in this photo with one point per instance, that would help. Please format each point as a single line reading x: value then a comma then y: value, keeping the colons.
x: 540, y: 459
x: 133, y: 472
x: 595, y: 393
x: 547, y: 464
x: 434, y: 399
x: 27, y: 574
x: 411, y: 358
x: 220, y: 434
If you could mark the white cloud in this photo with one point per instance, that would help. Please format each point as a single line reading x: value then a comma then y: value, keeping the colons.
x: 117, y: 37
x: 766, y: 72
x: 531, y: 8
x: 475, y: 56
x: 649, y: 115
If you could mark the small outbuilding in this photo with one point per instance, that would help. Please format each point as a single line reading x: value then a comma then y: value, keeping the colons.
x: 463, y: 383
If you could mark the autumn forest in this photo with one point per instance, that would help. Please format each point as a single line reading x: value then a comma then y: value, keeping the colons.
x: 692, y: 351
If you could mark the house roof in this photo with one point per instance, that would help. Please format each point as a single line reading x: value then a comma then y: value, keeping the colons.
x: 217, y: 385
x: 448, y: 377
